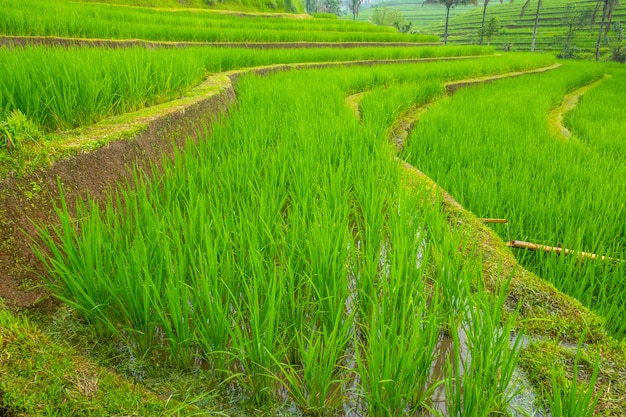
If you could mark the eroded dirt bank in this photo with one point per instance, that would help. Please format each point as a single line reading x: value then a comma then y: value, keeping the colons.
x: 32, y: 198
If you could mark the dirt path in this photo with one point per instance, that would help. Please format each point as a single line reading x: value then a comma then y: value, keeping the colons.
x: 21, y: 41
x: 453, y: 86
x: 569, y: 102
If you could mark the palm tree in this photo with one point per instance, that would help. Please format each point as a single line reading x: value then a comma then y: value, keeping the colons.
x: 449, y: 4
x: 482, y: 26
x: 608, y: 7
x: 524, y: 7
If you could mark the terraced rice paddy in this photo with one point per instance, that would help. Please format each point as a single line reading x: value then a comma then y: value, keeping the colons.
x: 85, y: 20
x: 516, y: 33
x: 82, y: 86
x: 304, y: 179
x: 520, y: 174
x: 315, y: 249
x: 422, y: 16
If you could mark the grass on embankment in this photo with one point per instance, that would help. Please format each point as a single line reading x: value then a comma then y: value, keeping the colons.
x: 39, y: 377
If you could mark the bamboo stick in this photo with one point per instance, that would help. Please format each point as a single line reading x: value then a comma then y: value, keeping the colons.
x: 538, y: 247
x: 493, y: 220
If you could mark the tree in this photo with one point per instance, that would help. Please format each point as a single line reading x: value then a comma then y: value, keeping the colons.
x: 311, y: 6
x: 449, y: 4
x: 618, y: 43
x: 390, y: 17
x: 574, y: 21
x: 482, y: 25
x: 492, y: 28
x: 331, y: 6
x: 384, y: 16
x: 402, y: 26
x: 354, y: 6
x: 608, y: 7
x: 524, y: 7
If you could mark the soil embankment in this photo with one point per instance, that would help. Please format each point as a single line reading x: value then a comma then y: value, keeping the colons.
x: 32, y: 198
x: 21, y: 41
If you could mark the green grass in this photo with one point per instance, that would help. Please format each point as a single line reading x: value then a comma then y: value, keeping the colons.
x: 39, y: 377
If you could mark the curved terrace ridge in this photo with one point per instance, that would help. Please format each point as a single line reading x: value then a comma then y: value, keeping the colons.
x: 548, y: 314
x: 569, y: 103
x: 403, y: 125
x: 498, y: 261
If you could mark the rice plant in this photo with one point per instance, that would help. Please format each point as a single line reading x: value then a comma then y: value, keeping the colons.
x: 82, y: 86
x: 93, y: 20
x: 283, y: 254
x: 499, y: 161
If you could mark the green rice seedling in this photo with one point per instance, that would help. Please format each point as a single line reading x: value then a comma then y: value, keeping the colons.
x: 389, y: 103
x: 571, y: 396
x: 500, y: 162
x: 279, y: 250
x: 317, y: 383
x: 595, y: 120
x: 81, y: 86
x: 177, y: 317
x: 453, y: 275
x: 480, y: 385
x: 370, y: 245
x: 256, y: 334
x: 76, y: 283
x: 398, y: 348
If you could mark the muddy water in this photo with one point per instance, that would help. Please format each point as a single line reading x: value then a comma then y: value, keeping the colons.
x: 524, y: 402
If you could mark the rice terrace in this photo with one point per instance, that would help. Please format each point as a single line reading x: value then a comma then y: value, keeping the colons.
x: 312, y: 208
